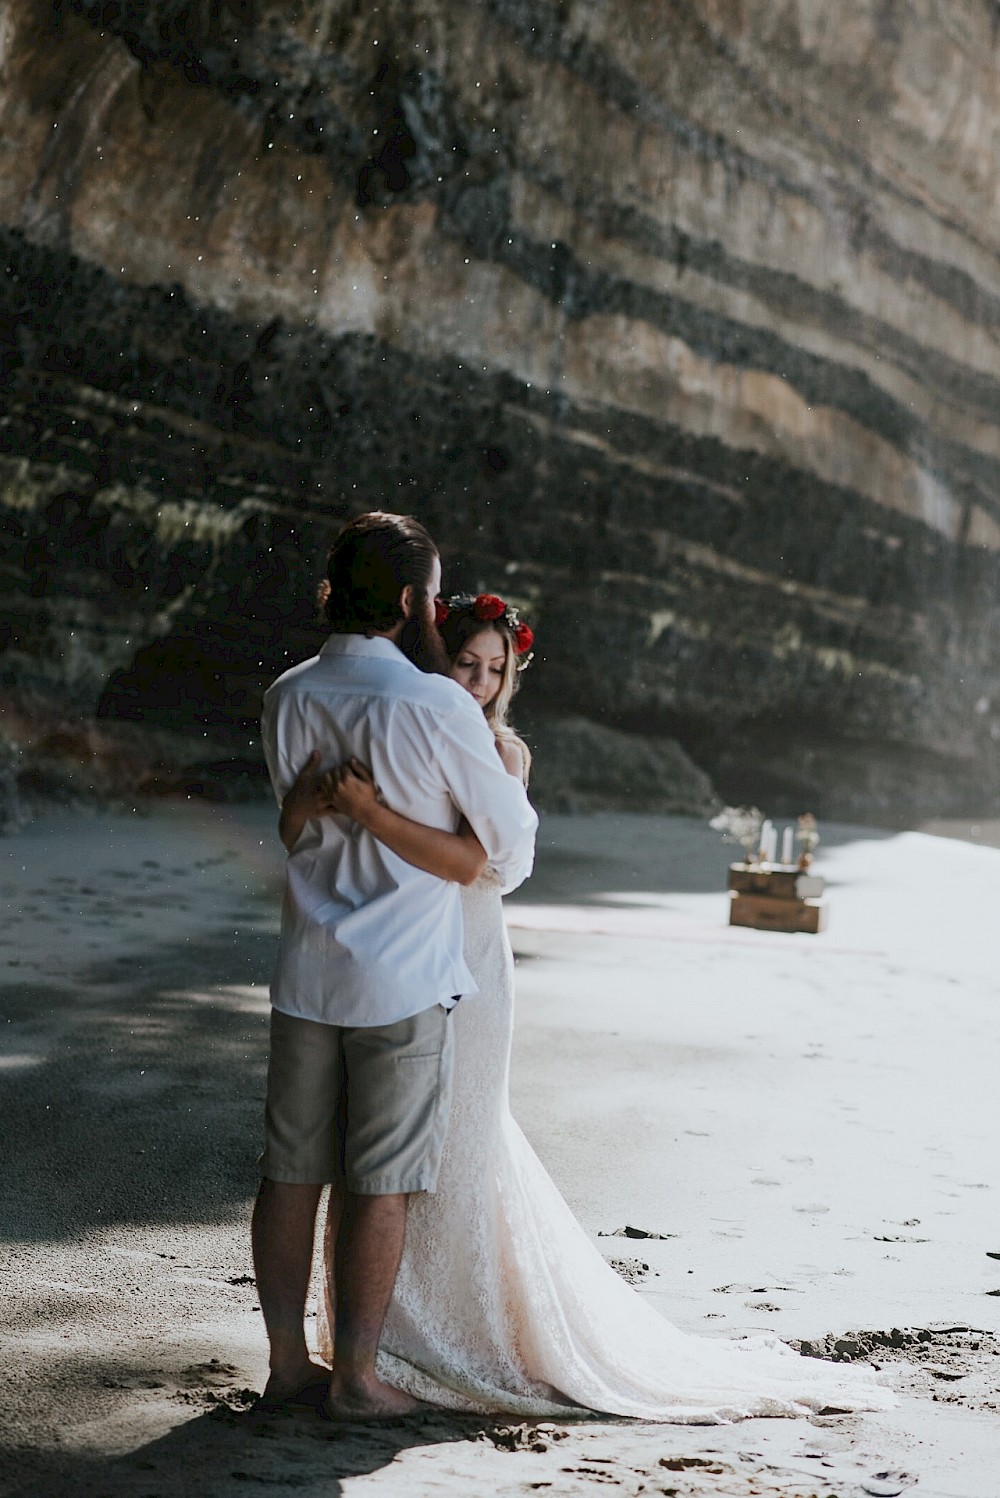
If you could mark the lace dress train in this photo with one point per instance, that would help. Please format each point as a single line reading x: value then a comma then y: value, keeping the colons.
x: 503, y: 1304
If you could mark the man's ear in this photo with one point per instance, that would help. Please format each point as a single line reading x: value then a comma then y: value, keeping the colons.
x: 407, y: 600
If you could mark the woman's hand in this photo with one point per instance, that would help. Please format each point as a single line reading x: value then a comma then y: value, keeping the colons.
x: 307, y: 797
x: 309, y: 793
x: 350, y: 791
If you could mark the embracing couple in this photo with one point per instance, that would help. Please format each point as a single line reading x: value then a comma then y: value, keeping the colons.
x: 455, y: 1273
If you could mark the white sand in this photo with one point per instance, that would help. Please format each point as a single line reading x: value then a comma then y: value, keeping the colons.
x: 813, y: 1119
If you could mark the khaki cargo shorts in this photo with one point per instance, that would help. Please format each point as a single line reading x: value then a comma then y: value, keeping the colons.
x: 368, y: 1106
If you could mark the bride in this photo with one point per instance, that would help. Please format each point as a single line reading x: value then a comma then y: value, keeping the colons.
x: 502, y: 1303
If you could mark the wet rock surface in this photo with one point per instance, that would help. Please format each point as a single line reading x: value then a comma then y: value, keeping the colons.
x: 50, y: 758
x: 708, y: 387
x: 579, y: 766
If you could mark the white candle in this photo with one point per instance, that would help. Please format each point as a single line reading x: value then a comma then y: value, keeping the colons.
x: 765, y: 840
x: 772, y: 846
x: 786, y: 845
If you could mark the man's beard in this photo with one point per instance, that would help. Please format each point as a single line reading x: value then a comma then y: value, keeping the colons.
x: 422, y: 644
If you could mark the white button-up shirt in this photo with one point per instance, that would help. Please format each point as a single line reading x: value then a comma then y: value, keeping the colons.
x: 366, y: 938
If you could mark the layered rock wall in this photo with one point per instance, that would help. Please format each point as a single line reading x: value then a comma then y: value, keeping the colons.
x: 677, y: 320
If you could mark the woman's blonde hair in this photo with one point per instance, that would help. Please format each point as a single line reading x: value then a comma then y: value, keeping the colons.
x: 457, y: 630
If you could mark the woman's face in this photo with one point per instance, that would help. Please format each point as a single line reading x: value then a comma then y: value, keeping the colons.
x: 479, y: 666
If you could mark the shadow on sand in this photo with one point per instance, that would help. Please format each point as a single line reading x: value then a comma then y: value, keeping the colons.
x: 137, y: 1091
x: 226, y: 1452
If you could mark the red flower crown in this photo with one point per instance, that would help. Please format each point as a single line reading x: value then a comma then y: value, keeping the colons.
x: 487, y: 607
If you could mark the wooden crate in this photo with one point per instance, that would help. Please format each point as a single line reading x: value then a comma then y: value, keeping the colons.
x: 785, y: 881
x: 777, y: 913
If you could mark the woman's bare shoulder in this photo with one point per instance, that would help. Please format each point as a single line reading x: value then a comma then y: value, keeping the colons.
x: 514, y: 753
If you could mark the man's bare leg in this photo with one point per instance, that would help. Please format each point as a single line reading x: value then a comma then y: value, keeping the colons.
x: 284, y: 1219
x: 369, y: 1248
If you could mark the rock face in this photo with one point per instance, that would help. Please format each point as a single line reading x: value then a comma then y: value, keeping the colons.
x: 678, y: 321
x: 580, y: 766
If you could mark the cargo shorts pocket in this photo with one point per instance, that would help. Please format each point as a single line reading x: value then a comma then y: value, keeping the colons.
x: 398, y: 1099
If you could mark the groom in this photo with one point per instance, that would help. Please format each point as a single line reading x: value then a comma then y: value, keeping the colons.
x: 370, y: 958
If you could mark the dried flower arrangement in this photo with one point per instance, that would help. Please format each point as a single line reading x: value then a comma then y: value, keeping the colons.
x: 740, y: 824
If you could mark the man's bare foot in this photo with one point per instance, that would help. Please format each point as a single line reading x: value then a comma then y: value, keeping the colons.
x: 369, y: 1399
x: 302, y: 1388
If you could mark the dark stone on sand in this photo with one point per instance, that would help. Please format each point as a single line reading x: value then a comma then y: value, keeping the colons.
x: 630, y: 1232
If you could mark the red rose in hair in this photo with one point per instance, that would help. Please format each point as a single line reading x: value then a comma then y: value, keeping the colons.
x: 441, y: 611
x: 488, y: 606
x: 524, y: 638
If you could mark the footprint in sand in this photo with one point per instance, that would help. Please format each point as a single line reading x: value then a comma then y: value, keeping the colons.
x: 210, y: 1375
x: 632, y: 1271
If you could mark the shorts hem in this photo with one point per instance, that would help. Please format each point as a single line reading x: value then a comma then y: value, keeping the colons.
x: 383, y: 1186
x: 284, y: 1177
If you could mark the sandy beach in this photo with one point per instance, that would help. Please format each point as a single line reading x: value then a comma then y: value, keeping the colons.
x: 805, y: 1126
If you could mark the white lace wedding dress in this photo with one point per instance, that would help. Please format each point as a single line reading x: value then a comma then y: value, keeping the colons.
x: 503, y: 1304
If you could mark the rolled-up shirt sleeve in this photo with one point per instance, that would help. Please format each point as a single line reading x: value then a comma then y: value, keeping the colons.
x: 494, y: 803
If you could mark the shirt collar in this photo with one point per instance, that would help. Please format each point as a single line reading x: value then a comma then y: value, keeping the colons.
x: 377, y: 647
